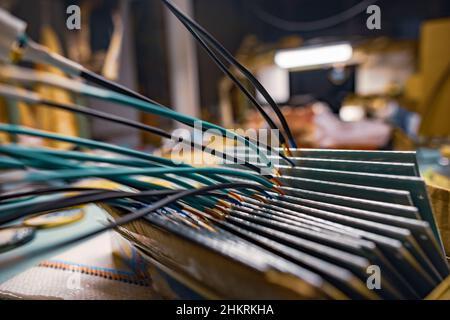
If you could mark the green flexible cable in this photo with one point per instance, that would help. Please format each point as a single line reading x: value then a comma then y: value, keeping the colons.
x: 30, y: 202
x: 53, y: 163
x: 86, y: 143
x: 78, y: 174
x: 127, y: 100
x: 168, y: 113
x: 6, y: 163
x: 94, y: 158
x: 83, y: 157
x: 98, y: 145
x: 79, y: 156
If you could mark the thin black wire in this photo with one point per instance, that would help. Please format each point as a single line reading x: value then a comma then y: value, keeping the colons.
x: 52, y: 190
x: 101, y: 81
x: 141, y: 126
x: 294, y: 26
x: 111, y: 85
x: 225, y: 70
x: 51, y: 161
x: 135, y: 216
x: 88, y: 196
x: 231, y: 59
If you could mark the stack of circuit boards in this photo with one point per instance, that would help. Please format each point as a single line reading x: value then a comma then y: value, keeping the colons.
x: 350, y: 224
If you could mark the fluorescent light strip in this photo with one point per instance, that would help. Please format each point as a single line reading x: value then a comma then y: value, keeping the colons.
x: 314, y: 56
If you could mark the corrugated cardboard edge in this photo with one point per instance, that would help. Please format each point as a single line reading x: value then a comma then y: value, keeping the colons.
x: 440, y: 201
x: 442, y: 292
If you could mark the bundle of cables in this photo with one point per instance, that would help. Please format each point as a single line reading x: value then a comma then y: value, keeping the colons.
x: 268, y: 223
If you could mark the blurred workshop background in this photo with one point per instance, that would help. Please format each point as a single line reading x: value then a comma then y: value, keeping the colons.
x: 346, y: 77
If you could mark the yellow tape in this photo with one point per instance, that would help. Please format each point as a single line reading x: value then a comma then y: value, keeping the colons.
x: 55, y: 219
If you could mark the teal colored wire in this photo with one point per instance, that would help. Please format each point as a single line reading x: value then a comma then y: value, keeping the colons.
x: 11, y: 207
x: 34, y: 159
x: 168, y: 113
x: 86, y: 143
x: 14, y: 207
x: 6, y: 163
x: 199, y: 203
x: 79, y: 156
x: 78, y: 174
x: 51, y: 162
x: 99, y: 145
x: 31, y: 159
x: 83, y: 157
x: 104, y: 94
x: 55, y: 162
